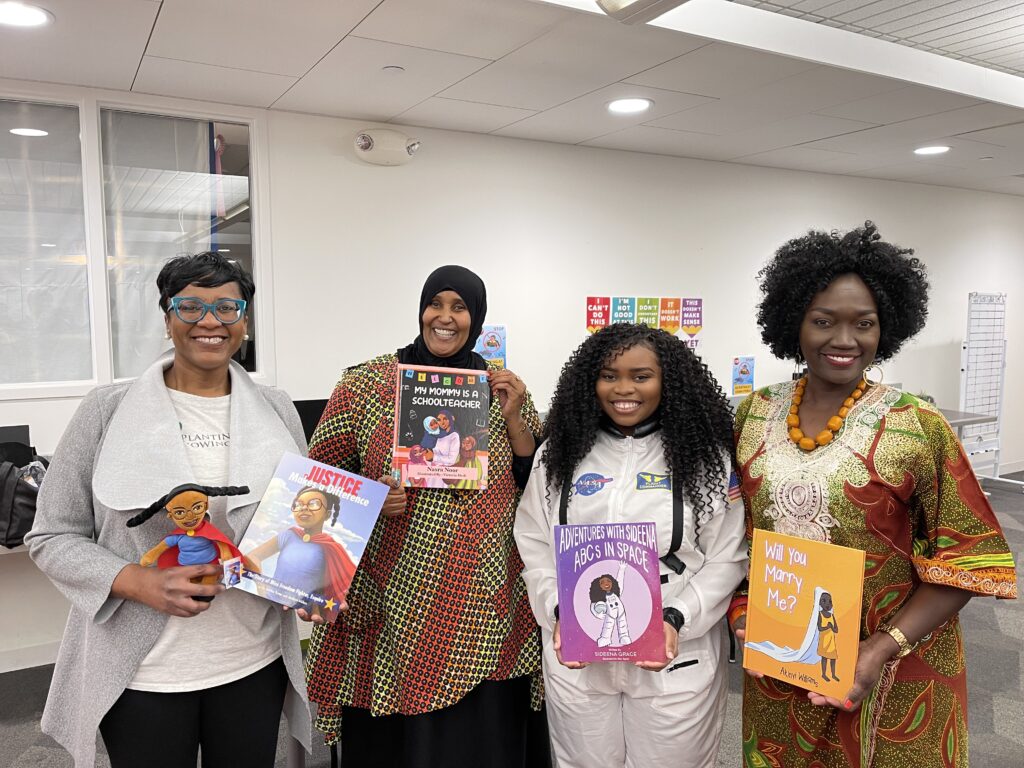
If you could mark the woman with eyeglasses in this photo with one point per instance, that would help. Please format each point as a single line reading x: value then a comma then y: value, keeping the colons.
x: 162, y: 666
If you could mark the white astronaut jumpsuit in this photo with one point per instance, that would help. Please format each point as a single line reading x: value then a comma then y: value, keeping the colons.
x: 610, y: 715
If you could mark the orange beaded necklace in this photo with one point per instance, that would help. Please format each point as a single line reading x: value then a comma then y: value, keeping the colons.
x: 834, y: 424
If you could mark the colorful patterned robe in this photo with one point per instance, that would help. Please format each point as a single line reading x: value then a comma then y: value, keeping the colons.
x: 438, y: 603
x: 895, y: 483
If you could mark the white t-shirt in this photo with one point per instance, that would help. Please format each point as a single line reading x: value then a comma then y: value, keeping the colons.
x: 240, y: 633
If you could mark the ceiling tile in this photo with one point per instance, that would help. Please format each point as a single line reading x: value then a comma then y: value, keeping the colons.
x: 720, y: 71
x: 902, y: 104
x: 186, y: 79
x: 802, y: 159
x: 456, y: 115
x: 350, y: 80
x: 1004, y: 136
x: 588, y: 117
x: 106, y: 56
x: 260, y: 35
x: 660, y: 141
x: 577, y: 56
x: 487, y: 29
x: 808, y: 91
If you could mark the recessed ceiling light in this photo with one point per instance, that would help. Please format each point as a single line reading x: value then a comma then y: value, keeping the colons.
x: 21, y: 15
x: 629, y: 106
x: 987, y: 157
x: 28, y: 132
x: 393, y: 69
x: 223, y: 250
x: 47, y: 245
x: 937, y: 150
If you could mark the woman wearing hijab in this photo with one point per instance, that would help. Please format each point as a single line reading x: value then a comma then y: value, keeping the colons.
x: 438, y: 642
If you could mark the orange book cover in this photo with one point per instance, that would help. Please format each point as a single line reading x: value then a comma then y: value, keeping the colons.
x: 803, y: 612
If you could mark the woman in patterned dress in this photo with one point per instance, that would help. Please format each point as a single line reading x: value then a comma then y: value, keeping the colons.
x: 837, y: 459
x: 436, y: 662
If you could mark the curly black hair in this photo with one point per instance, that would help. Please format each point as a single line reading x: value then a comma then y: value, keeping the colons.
x: 805, y: 266
x: 696, y: 423
x: 597, y: 594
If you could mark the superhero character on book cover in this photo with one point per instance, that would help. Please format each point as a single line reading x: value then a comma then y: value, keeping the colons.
x: 309, y: 559
x: 606, y: 604
x: 198, y: 541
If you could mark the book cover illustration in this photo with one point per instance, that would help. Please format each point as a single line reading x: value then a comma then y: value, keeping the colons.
x: 441, y: 428
x: 492, y: 345
x: 803, y: 612
x: 307, y: 536
x: 742, y: 375
x: 609, y: 592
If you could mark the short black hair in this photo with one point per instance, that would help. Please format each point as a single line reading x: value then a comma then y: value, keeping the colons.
x: 207, y: 270
x: 805, y: 266
x: 696, y: 423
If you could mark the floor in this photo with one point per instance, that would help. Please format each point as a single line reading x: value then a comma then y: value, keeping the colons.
x: 993, y: 629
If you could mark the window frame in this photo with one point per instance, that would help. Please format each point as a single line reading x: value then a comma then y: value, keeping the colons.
x: 89, y: 103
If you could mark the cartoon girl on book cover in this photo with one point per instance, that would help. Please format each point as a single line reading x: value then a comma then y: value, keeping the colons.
x: 308, y: 558
x: 827, y: 631
x: 606, y: 604
x: 809, y: 651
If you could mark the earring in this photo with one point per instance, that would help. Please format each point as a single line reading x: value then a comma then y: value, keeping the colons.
x: 245, y: 337
x: 167, y: 334
x: 877, y: 369
x: 798, y: 367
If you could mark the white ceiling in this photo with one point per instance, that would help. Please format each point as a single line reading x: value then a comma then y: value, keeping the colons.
x: 530, y: 70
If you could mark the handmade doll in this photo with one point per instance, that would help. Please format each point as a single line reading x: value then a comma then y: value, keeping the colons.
x: 199, y: 541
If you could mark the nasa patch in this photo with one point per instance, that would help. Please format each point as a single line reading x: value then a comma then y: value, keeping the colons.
x: 590, y: 483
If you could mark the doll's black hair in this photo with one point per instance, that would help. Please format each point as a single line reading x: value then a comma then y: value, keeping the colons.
x: 208, y: 490
x: 805, y: 266
x: 597, y: 594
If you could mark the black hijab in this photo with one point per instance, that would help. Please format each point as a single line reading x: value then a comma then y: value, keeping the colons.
x: 473, y: 293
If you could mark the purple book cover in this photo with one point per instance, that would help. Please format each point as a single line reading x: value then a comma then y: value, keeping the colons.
x: 609, y: 592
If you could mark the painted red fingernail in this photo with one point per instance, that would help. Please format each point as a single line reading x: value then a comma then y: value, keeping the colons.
x: 848, y: 704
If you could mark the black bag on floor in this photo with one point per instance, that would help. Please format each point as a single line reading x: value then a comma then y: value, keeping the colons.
x: 17, y: 504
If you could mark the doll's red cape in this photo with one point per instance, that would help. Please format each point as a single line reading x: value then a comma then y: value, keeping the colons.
x: 339, y: 568
x: 206, y: 530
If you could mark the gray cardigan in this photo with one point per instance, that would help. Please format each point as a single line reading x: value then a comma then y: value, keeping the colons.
x: 120, y: 452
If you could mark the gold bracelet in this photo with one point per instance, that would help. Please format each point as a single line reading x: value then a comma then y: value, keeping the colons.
x: 901, y: 640
x: 521, y: 431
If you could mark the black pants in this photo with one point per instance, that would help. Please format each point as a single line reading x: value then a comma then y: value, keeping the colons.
x: 236, y: 724
x: 491, y: 727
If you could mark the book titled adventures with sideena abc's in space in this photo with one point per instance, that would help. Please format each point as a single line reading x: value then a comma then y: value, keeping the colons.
x: 441, y: 428
x: 609, y: 592
x: 306, y: 538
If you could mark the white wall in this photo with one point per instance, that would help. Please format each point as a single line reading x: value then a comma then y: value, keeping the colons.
x: 546, y: 225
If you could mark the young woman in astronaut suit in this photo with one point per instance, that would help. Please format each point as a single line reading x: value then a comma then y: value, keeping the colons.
x: 638, y: 431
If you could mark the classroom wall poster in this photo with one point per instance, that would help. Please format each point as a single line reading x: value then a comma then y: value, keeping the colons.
x: 803, y: 612
x: 492, y: 345
x: 598, y: 312
x: 670, y: 313
x: 742, y: 375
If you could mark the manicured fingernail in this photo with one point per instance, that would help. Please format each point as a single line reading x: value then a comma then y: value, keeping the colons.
x: 847, y: 703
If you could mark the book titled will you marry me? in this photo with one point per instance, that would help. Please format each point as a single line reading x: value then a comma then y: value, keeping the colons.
x: 441, y: 428
x: 803, y: 612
